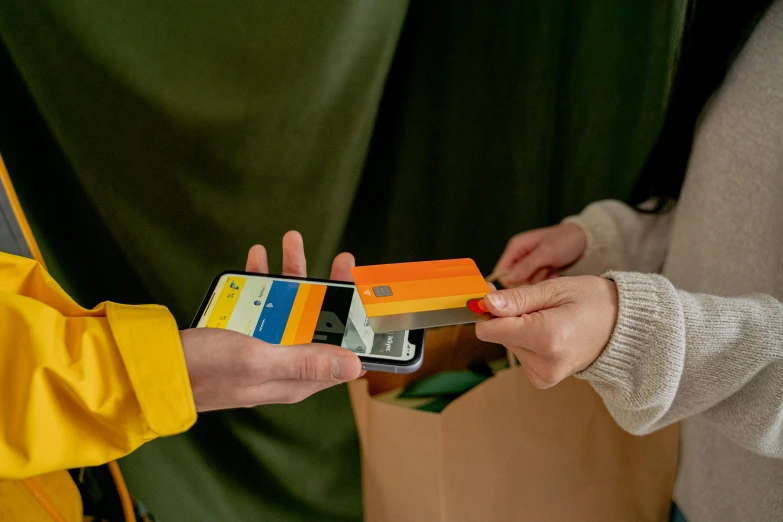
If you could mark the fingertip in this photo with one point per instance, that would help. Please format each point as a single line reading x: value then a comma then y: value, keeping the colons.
x: 346, y: 259
x: 294, y: 259
x: 488, y: 331
x: 342, y: 265
x: 495, y: 302
x: 347, y: 367
x: 293, y: 236
x: 480, y: 330
x: 257, y: 260
x: 256, y: 252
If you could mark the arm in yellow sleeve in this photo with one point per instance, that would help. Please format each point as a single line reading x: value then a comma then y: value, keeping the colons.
x: 82, y: 387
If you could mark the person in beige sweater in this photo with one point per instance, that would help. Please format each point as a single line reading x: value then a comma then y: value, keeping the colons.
x: 702, y: 342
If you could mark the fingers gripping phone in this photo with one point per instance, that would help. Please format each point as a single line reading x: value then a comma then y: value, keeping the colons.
x: 291, y: 310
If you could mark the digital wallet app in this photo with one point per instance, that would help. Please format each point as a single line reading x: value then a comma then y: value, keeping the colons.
x: 287, y: 312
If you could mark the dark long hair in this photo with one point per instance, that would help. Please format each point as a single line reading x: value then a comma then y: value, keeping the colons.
x: 713, y: 35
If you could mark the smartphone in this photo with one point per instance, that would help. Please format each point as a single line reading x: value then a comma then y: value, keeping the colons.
x: 292, y: 310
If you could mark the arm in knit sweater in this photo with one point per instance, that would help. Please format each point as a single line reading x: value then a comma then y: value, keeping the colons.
x: 621, y: 238
x: 675, y: 354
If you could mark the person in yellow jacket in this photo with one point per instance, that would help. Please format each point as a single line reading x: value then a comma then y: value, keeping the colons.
x: 81, y: 388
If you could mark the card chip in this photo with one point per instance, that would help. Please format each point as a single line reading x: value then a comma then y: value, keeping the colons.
x: 382, y: 291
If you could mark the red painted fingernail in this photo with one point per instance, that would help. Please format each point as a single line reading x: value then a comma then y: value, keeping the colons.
x: 477, y: 306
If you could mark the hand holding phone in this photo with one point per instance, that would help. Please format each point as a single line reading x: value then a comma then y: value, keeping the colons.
x: 229, y: 370
x: 293, y: 310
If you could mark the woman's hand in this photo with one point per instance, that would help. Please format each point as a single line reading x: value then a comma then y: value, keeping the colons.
x: 536, y: 255
x: 556, y: 328
x: 228, y: 369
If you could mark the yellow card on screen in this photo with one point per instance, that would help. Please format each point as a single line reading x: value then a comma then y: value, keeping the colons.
x: 426, y: 294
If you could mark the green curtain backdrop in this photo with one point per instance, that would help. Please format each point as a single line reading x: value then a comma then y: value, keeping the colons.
x: 503, y: 116
x: 153, y: 142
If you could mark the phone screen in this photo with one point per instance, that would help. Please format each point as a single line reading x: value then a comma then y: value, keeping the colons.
x: 286, y: 312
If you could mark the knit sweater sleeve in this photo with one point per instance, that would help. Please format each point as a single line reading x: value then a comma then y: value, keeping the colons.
x: 675, y: 354
x: 621, y: 238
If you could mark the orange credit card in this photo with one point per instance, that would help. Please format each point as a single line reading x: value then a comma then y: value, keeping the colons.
x: 426, y: 294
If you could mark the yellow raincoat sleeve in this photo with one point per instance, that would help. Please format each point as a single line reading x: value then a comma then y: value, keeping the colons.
x: 82, y: 387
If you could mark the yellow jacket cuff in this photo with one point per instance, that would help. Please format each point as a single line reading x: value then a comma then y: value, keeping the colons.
x: 149, y: 343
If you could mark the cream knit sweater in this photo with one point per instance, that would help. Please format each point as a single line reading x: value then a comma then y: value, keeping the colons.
x: 704, y: 343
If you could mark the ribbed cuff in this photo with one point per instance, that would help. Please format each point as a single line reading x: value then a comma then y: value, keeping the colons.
x: 639, y: 358
x: 148, y: 340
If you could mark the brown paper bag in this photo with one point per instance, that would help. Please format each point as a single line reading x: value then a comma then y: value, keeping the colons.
x: 506, y: 450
